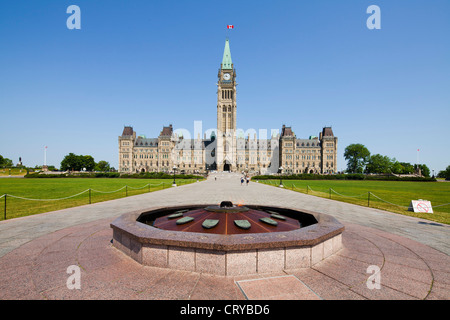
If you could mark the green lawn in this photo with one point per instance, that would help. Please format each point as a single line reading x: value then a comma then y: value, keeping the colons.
x: 44, y: 189
x: 13, y: 171
x: 398, y: 193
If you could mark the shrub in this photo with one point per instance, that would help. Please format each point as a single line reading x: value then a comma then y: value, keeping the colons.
x: 351, y: 176
x: 146, y: 175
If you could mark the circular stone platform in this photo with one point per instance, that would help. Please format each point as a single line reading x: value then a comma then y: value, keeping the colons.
x: 243, y: 253
x: 38, y: 270
x: 35, y: 252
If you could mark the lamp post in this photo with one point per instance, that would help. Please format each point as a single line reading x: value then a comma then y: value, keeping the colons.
x: 174, y: 184
x: 281, y: 183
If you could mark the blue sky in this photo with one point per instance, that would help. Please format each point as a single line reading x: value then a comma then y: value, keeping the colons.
x: 305, y: 64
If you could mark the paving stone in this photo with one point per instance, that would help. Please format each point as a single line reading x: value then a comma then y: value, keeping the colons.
x: 35, y: 252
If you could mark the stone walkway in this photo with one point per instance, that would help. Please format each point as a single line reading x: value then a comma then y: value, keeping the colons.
x: 35, y: 251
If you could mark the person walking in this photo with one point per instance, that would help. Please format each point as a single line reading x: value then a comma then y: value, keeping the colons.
x: 248, y: 180
x: 242, y: 180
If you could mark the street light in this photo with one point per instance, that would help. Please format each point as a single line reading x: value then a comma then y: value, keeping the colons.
x: 174, y: 184
x: 281, y: 183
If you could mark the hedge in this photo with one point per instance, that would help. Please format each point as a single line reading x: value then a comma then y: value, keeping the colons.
x: 146, y: 175
x: 352, y: 176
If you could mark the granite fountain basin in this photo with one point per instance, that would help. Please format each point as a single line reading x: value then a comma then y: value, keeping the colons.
x: 227, y: 240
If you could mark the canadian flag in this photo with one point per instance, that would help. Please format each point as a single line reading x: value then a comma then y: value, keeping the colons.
x: 230, y: 26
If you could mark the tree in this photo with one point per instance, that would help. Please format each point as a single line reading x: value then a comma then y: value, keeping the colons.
x: 103, y: 166
x: 71, y: 162
x: 397, y: 168
x: 77, y: 162
x: 424, y: 170
x: 379, y: 164
x: 408, y: 168
x: 445, y: 173
x: 5, y: 162
x: 357, y: 155
x: 87, y: 162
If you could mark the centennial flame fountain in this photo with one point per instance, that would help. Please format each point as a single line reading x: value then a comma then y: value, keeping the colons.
x: 227, y: 239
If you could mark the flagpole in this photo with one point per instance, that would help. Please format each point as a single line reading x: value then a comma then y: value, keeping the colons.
x: 229, y: 26
x: 45, y: 156
x: 419, y: 171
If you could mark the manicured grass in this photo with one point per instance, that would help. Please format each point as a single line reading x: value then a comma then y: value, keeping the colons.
x: 13, y: 172
x: 43, y: 189
x: 398, y: 193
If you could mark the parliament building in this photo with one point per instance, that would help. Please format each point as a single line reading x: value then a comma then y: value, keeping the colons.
x: 228, y: 149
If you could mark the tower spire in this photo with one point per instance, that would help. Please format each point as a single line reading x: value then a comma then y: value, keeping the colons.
x: 226, y: 60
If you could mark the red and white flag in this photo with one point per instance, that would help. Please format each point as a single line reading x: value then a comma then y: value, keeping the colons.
x: 230, y: 26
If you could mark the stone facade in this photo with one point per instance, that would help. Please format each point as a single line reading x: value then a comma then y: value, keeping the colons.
x: 230, y: 149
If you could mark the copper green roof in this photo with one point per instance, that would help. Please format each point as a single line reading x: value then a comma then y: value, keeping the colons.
x: 226, y: 60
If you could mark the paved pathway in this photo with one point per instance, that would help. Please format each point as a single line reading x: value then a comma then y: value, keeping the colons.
x: 16, y: 232
x: 36, y: 250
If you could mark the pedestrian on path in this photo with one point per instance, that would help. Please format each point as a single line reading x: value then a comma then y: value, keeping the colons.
x: 242, y: 180
x: 248, y: 180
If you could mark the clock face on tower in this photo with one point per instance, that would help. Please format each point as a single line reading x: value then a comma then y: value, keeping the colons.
x: 226, y: 76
